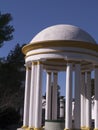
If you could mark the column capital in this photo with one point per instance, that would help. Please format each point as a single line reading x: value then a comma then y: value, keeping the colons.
x: 89, y: 72
x: 69, y: 63
x: 49, y: 72
x: 39, y: 62
x: 73, y: 61
x: 96, y: 66
x: 34, y: 63
x: 77, y: 62
x: 27, y: 66
x: 83, y: 72
x: 55, y: 72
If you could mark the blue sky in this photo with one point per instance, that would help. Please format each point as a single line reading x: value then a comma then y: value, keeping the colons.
x: 31, y: 16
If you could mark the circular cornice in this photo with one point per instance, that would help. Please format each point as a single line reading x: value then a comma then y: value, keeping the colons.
x: 59, y: 43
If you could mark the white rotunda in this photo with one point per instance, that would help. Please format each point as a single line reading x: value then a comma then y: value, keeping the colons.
x: 60, y: 48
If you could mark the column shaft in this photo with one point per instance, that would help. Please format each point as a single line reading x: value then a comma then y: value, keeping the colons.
x: 83, y: 120
x: 96, y: 98
x: 26, y: 98
x: 48, y: 97
x: 77, y: 96
x: 34, y: 95
x: 54, y: 97
x: 38, y: 100
x: 68, y: 106
x: 88, y: 101
x: 31, y: 110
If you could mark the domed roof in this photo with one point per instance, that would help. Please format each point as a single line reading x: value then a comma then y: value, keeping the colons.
x: 63, y: 32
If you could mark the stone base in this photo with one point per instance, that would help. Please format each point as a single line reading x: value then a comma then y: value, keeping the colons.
x: 29, y: 128
x: 54, y: 125
x: 38, y: 128
x: 72, y: 129
x: 79, y: 129
x: 83, y: 128
x: 86, y: 128
x: 25, y: 128
x: 20, y: 129
x: 67, y: 129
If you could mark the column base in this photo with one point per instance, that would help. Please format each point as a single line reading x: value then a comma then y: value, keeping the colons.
x: 86, y: 128
x: 38, y: 128
x: 67, y: 129
x: 22, y: 128
x: 74, y: 129
x: 30, y: 128
x: 82, y: 128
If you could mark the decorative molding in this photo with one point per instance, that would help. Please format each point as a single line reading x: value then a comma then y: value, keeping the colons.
x: 59, y: 43
x: 61, y: 51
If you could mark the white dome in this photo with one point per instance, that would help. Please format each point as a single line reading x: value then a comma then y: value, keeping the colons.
x: 63, y: 32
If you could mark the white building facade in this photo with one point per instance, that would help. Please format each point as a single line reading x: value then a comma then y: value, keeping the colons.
x: 58, y: 48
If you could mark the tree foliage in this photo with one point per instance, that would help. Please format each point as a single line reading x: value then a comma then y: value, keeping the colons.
x: 11, y: 76
x: 6, y: 30
x: 8, y: 117
x: 12, y: 79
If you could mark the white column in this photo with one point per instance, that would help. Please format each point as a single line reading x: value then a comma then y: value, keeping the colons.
x: 96, y: 98
x: 83, y: 120
x: 31, y: 109
x: 62, y: 108
x: 34, y: 97
x: 26, y: 98
x: 88, y: 101
x: 48, y: 97
x: 54, y: 97
x: 38, y: 99
x: 77, y: 96
x: 68, y: 106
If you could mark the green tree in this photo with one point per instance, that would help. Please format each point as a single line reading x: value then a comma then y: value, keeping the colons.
x: 16, y: 57
x: 6, y: 30
x: 12, y: 80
